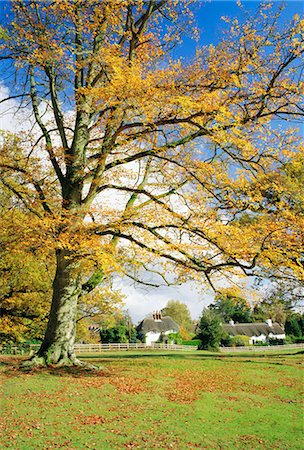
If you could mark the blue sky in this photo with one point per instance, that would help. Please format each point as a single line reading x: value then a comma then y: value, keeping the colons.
x: 209, y: 14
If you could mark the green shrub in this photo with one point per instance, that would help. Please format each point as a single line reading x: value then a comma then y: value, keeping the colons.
x: 119, y: 333
x: 298, y: 340
x: 293, y: 339
x: 276, y: 341
x: 174, y: 338
x: 193, y: 342
x: 239, y: 341
x: 226, y: 340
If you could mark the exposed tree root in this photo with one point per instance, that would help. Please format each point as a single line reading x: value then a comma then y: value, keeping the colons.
x: 67, y: 361
x: 34, y: 361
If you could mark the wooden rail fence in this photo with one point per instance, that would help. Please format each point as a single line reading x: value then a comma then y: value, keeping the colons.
x: 261, y: 348
x: 99, y: 348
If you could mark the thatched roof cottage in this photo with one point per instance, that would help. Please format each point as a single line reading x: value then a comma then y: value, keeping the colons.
x: 155, y: 326
x: 257, y: 332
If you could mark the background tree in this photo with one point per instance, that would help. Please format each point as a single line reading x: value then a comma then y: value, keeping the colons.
x: 102, y: 307
x: 276, y: 305
x: 25, y: 294
x: 129, y: 165
x: 25, y: 279
x: 294, y: 327
x: 122, y: 331
x: 230, y: 305
x: 180, y: 313
x: 87, y: 326
x: 209, y: 330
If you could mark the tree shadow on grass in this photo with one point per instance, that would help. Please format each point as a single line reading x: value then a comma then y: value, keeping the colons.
x: 74, y: 372
x: 12, y: 366
x: 149, y: 356
x: 193, y: 356
x: 276, y: 359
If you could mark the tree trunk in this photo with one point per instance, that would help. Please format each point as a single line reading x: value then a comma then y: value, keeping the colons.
x: 58, y: 345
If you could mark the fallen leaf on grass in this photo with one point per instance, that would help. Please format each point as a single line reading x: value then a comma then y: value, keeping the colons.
x: 233, y: 398
x: 129, y: 385
x: 251, y: 438
x: 91, y: 420
x: 189, y: 384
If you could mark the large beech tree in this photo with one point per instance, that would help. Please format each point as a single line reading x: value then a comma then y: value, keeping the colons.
x: 137, y: 162
x: 26, y: 275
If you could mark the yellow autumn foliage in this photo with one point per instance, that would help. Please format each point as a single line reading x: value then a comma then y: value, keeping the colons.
x: 139, y: 163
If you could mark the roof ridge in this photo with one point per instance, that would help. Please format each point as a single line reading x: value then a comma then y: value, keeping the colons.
x: 251, y: 323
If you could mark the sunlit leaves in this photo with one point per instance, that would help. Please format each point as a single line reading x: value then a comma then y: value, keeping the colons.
x: 157, y: 160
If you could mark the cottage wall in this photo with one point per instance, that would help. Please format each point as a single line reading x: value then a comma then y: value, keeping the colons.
x: 260, y: 338
x: 153, y: 336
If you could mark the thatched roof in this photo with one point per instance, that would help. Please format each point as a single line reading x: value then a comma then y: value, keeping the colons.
x: 253, y: 329
x: 157, y: 325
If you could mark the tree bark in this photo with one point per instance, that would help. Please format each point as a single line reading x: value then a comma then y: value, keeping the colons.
x: 57, y: 347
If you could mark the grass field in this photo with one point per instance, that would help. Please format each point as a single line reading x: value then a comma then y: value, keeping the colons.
x: 191, y: 400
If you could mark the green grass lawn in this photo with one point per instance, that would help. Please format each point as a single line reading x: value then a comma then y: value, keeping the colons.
x: 154, y: 400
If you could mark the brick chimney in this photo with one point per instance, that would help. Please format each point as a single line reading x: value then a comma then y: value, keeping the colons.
x: 157, y: 316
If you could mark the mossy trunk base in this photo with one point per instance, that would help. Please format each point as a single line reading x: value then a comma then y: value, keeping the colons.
x: 46, y: 361
x: 56, y: 355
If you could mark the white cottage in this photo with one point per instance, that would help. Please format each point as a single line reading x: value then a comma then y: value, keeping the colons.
x: 155, y: 326
x: 257, y: 332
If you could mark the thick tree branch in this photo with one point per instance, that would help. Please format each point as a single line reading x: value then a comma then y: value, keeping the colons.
x: 56, y: 108
x: 46, y: 134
